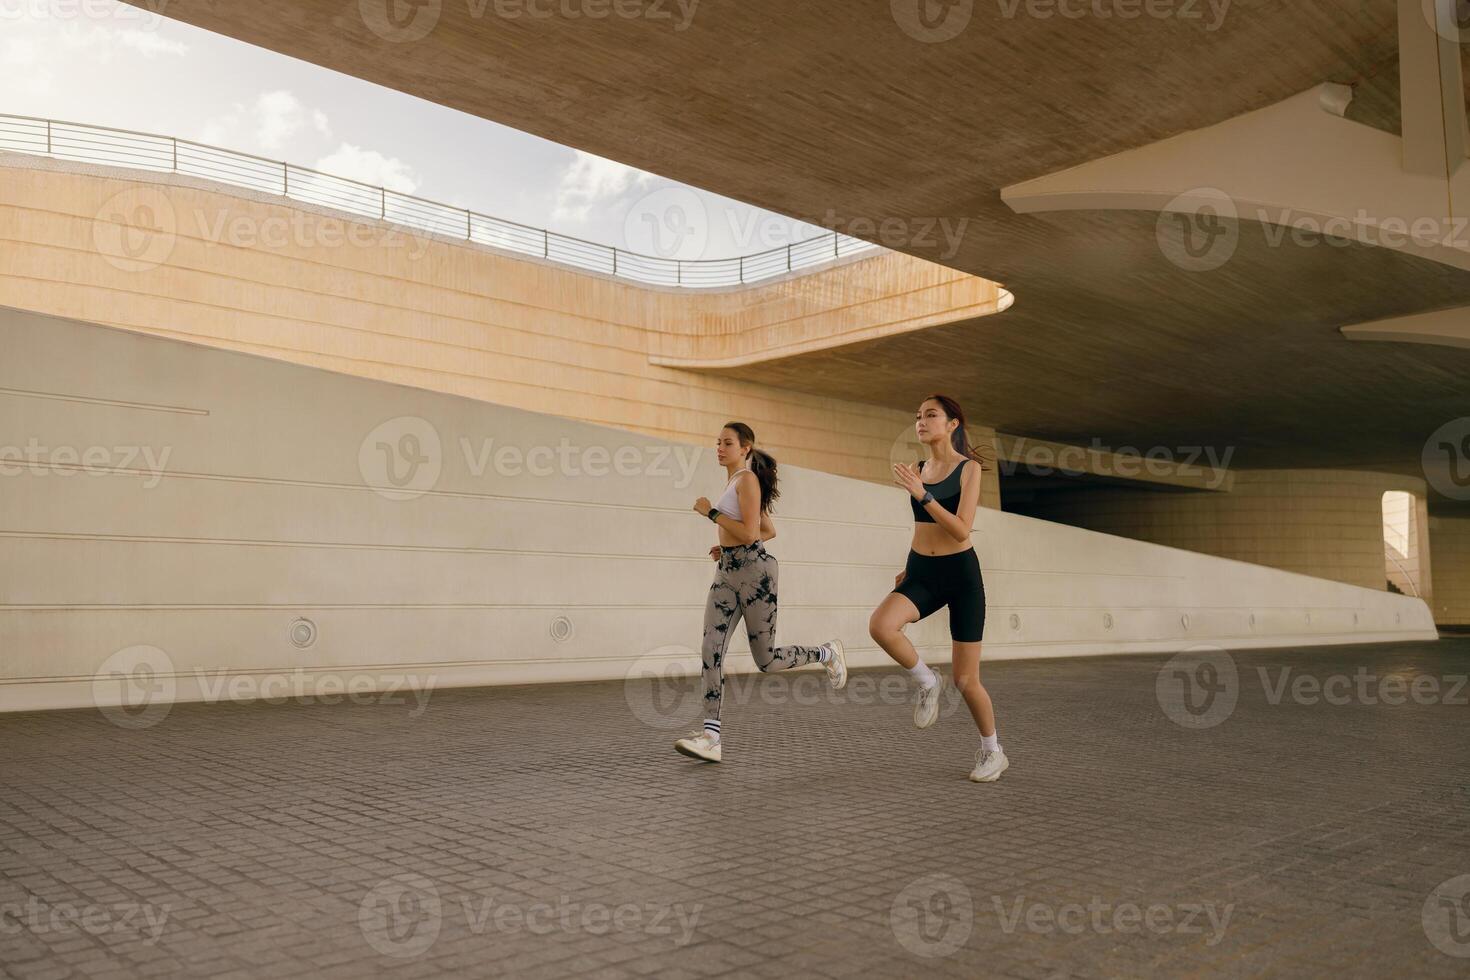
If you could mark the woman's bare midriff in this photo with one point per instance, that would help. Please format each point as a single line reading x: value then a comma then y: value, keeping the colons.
x: 933, y: 540
x: 728, y: 539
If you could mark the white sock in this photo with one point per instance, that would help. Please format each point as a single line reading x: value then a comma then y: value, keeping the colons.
x: 712, y: 728
x: 826, y: 654
x: 990, y: 743
x: 921, y: 673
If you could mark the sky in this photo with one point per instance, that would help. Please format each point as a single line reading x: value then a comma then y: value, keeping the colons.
x: 107, y: 63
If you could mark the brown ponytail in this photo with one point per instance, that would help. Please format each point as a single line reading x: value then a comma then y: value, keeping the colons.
x: 762, y: 464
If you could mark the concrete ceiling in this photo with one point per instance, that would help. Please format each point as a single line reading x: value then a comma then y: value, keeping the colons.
x: 826, y: 109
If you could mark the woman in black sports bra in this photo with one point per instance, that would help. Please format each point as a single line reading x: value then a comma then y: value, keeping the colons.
x: 943, y: 570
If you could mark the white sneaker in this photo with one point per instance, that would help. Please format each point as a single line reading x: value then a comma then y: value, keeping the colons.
x: 989, y: 765
x: 699, y: 746
x: 926, y: 708
x: 837, y: 666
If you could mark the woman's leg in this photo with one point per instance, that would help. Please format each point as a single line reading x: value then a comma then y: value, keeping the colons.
x: 886, y: 625
x: 721, y: 610
x: 967, y: 682
x: 757, y: 582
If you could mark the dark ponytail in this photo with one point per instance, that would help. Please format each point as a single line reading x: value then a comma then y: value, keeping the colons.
x: 762, y: 464
x: 984, y: 455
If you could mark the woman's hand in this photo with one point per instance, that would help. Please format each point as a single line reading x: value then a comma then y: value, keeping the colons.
x: 702, y: 506
x: 898, y: 579
x: 714, y: 553
x: 908, y: 478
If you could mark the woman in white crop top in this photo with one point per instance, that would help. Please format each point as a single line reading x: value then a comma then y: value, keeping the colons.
x: 745, y: 583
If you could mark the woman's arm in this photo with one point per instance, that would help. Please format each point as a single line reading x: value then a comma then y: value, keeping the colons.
x: 959, y: 526
x: 768, y: 527
x: 747, y: 531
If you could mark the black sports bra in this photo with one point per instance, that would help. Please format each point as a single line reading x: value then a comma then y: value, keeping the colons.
x: 946, y: 492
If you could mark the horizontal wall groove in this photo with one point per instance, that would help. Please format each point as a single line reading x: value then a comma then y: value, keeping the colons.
x: 107, y: 402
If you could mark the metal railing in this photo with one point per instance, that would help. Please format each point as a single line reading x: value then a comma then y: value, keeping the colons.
x: 145, y: 151
x: 1405, y: 573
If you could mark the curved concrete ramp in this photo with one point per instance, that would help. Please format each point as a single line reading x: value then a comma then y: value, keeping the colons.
x: 206, y: 518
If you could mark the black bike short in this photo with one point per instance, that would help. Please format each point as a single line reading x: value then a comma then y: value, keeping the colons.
x: 932, y: 582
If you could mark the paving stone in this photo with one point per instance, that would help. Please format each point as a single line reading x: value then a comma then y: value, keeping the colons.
x: 552, y: 832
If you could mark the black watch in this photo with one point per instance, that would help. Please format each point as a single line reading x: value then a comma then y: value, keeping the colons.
x: 927, y: 499
x: 713, y: 514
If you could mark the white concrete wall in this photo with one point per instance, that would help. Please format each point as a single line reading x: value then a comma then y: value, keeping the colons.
x: 200, y: 501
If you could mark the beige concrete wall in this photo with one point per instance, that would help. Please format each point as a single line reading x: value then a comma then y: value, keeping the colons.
x: 258, y: 274
x: 1449, y: 539
x: 175, y: 515
x: 1325, y: 523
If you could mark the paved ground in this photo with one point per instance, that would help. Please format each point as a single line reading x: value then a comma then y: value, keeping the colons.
x: 548, y: 832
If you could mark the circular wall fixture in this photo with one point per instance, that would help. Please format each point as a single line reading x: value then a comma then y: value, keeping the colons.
x: 302, y: 632
x: 1015, y: 621
x: 561, y: 629
x: 1107, y: 621
x: 1184, y: 620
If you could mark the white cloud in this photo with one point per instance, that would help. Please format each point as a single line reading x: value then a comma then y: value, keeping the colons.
x: 103, y: 44
x: 370, y: 167
x: 268, y: 124
x: 590, y: 183
x: 279, y: 115
x: 148, y: 43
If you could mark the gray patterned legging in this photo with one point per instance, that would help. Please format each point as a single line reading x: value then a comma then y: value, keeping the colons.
x: 745, y: 585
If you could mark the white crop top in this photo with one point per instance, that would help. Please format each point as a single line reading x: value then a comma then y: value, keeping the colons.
x: 729, y: 502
